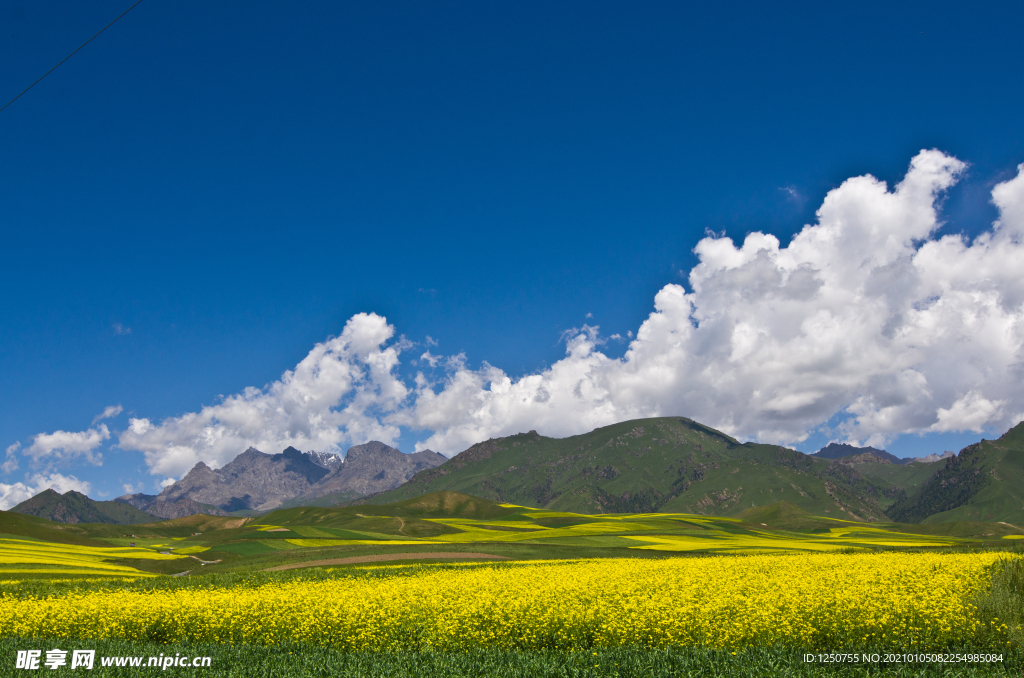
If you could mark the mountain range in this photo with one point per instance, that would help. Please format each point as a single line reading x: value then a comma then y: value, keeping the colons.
x: 668, y: 464
x: 675, y: 464
x: 258, y: 482
x: 844, y: 451
x: 840, y: 450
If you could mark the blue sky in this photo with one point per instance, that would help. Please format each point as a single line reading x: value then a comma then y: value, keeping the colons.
x: 206, y: 192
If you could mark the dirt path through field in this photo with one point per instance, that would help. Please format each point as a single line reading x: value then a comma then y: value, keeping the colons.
x: 376, y: 559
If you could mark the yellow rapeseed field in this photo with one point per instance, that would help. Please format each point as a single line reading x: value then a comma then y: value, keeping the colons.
x: 39, y: 557
x: 814, y: 601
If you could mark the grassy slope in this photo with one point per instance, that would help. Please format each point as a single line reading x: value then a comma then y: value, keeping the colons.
x: 73, y: 507
x: 123, y: 514
x: 666, y: 464
x: 31, y: 527
x: 452, y: 522
x: 985, y: 482
x: 332, y: 499
x: 784, y: 515
x: 897, y: 481
x: 176, y: 533
x: 247, y: 544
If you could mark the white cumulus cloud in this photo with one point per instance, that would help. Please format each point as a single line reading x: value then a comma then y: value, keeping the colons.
x: 969, y: 413
x: 340, y: 393
x: 13, y: 494
x: 865, y: 313
x: 66, y: 445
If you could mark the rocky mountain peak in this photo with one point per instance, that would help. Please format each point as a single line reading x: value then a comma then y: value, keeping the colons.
x: 863, y: 458
x: 258, y: 481
x: 252, y: 480
x: 373, y: 467
x: 250, y: 453
x: 325, y: 459
x: 841, y: 450
x: 932, y: 458
x: 369, y: 450
x: 200, y: 470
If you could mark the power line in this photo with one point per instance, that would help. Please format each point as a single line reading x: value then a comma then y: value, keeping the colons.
x: 70, y: 55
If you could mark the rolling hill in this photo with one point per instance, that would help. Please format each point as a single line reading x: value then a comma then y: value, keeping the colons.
x: 985, y: 482
x: 668, y: 464
x: 449, y: 526
x: 31, y: 527
x: 895, y: 482
x: 74, y: 507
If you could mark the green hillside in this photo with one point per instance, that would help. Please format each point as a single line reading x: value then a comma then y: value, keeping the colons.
x: 450, y: 526
x: 73, y: 507
x: 985, y: 482
x: 895, y: 482
x: 889, y: 482
x: 669, y: 464
x: 18, y: 525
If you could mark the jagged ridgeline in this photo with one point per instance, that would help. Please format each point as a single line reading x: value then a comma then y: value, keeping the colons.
x: 256, y: 482
x: 669, y: 464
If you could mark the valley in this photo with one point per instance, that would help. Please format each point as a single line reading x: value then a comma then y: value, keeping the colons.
x: 453, y: 523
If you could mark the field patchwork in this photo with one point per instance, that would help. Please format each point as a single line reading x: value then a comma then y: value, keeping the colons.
x: 21, y: 556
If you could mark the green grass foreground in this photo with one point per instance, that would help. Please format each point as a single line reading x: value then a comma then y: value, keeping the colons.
x: 285, y: 661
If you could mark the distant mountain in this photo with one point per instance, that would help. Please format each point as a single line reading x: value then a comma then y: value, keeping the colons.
x: 844, y: 451
x: 167, y: 510
x: 932, y: 458
x: 368, y: 469
x: 665, y: 464
x: 840, y: 450
x: 326, y: 459
x: 255, y: 481
x: 985, y: 482
x: 863, y: 458
x: 74, y: 507
x: 251, y: 481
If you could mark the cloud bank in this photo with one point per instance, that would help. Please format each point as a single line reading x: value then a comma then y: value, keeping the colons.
x: 344, y: 390
x: 865, y: 314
